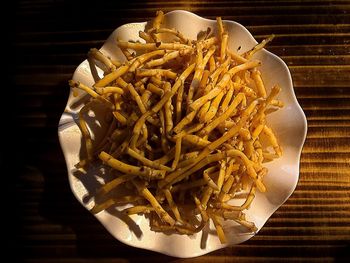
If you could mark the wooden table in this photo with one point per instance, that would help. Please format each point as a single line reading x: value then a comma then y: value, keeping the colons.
x: 52, y: 37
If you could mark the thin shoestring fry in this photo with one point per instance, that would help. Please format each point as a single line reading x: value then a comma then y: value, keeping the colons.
x: 189, y: 132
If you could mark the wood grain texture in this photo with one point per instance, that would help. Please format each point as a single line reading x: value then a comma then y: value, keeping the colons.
x: 50, y: 38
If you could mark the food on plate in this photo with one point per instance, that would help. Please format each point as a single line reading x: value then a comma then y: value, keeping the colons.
x: 188, y: 133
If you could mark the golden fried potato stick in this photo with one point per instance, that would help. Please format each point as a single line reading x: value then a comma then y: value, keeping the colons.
x: 156, y: 72
x: 141, y: 83
x: 223, y: 48
x: 186, y: 120
x: 99, y: 56
x: 164, y: 140
x: 244, y: 206
x: 86, y: 135
x: 187, y: 161
x: 227, y: 99
x: 272, y: 139
x: 220, y: 26
x: 108, y: 90
x: 146, y: 161
x: 115, y: 201
x: 189, y: 130
x: 213, y: 107
x: 204, y: 99
x: 277, y: 103
x: 261, y: 91
x: 172, y: 204
x: 138, y: 209
x: 145, y: 36
x: 167, y: 157
x: 175, y: 209
x: 267, y: 157
x: 152, y: 46
x: 179, y: 175
x: 128, y: 54
x: 155, y: 89
x: 90, y: 91
x: 247, y: 224
x: 249, y: 92
x: 206, y: 196
x: 120, y: 117
x: 143, y: 139
x: 219, y: 229
x: 158, y: 20
x: 249, y: 150
x: 145, y: 98
x: 223, y: 83
x: 189, y: 117
x: 219, y: 71
x: 203, y: 111
x: 177, y: 152
x: 226, y: 188
x: 167, y: 96
x: 138, y: 61
x: 143, y: 171
x: 106, y: 137
x: 259, y: 151
x: 167, y: 57
x: 236, y: 57
x: 222, y: 173
x: 202, y: 84
x: 209, y: 180
x: 195, y: 140
x: 201, y: 209
x: 212, y: 64
x: 156, y: 81
x: 112, y: 76
x: 171, y: 31
x: 106, y: 188
x: 168, y: 113
x: 160, y: 104
x: 178, y: 105
x: 207, y: 43
x: 200, y: 65
x: 153, y: 201
x: 240, y: 98
x: 232, y: 131
x: 197, y: 74
x: 136, y: 97
x: 261, y: 111
x: 245, y: 134
x: 177, y: 228
x: 188, y: 185
x: 225, y: 214
x: 261, y: 45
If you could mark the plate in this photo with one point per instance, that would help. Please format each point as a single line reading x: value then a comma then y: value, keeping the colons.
x: 289, y: 123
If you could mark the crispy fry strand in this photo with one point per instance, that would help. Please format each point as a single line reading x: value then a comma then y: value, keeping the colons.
x: 143, y: 171
x: 143, y: 58
x: 259, y: 46
x: 98, y: 55
x: 114, y: 183
x: 153, y: 201
x: 112, y: 76
x: 185, y: 121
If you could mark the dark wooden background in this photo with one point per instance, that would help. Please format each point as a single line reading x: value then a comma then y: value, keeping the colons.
x: 49, y: 38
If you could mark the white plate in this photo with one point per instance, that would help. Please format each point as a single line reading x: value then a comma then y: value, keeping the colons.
x: 289, y: 123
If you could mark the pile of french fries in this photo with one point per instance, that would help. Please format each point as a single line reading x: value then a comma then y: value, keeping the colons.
x: 188, y: 132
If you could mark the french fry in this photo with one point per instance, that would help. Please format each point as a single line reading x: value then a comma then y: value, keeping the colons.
x: 186, y: 124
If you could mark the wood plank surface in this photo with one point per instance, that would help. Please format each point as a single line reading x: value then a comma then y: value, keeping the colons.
x: 50, y: 38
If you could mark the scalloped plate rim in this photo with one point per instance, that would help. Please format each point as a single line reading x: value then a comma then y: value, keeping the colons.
x: 303, y: 126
